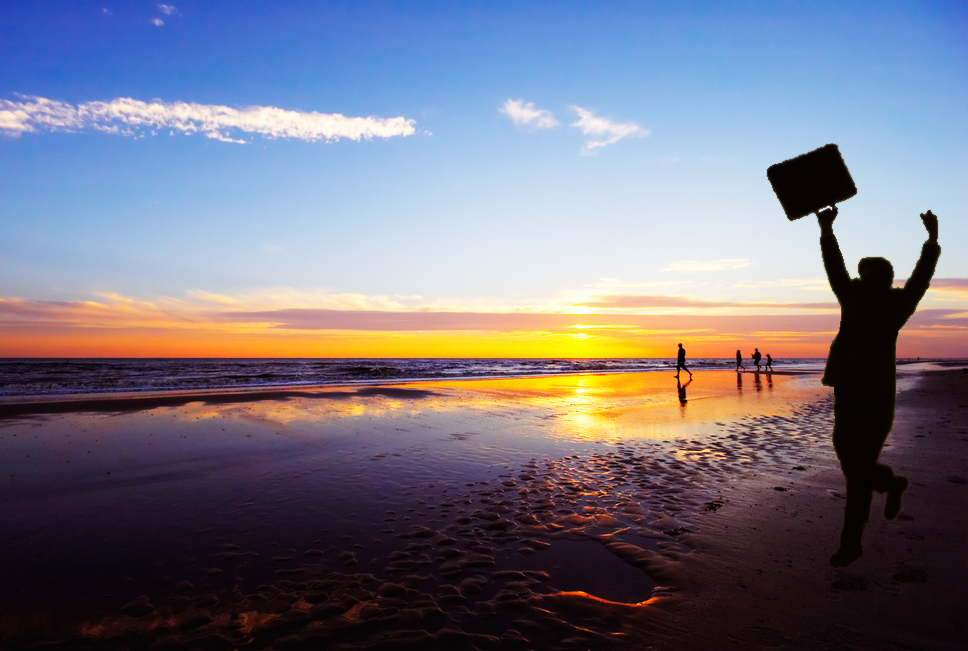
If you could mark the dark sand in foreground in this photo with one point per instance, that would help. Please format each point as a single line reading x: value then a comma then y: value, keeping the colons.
x: 568, y: 512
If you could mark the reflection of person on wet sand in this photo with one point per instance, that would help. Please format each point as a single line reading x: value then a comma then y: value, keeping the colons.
x: 681, y: 362
x: 769, y: 362
x: 871, y: 314
x: 739, y: 361
x: 682, y: 390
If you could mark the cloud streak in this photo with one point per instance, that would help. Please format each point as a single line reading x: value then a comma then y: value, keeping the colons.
x: 527, y: 116
x: 129, y: 117
x: 612, y: 132
x: 633, y: 301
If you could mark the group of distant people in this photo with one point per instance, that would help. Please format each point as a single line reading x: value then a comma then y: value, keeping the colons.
x: 756, y: 357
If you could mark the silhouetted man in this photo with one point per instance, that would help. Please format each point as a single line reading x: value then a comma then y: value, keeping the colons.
x: 871, y: 314
x: 739, y: 361
x: 756, y: 358
x: 681, y: 362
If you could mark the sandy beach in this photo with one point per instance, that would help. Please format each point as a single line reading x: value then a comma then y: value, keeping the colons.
x: 566, y: 512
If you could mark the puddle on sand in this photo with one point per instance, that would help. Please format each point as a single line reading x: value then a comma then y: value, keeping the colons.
x: 585, y: 566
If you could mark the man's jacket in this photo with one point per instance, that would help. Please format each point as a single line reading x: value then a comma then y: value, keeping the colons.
x: 869, y: 321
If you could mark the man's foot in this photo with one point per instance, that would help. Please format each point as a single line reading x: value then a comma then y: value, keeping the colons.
x: 846, y: 555
x: 892, y: 508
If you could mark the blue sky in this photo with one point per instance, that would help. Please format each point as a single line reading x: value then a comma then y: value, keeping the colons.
x: 468, y: 211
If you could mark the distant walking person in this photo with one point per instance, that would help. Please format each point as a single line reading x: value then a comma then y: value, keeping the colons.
x: 681, y: 362
x: 756, y: 358
x: 739, y: 361
x: 769, y: 362
x: 871, y: 314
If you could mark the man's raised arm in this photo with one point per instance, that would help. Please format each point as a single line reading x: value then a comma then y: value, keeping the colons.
x: 833, y: 259
x: 920, y: 279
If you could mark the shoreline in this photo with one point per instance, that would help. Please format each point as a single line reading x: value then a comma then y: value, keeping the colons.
x: 16, y: 406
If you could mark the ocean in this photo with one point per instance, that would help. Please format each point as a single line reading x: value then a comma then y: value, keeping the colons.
x: 69, y: 377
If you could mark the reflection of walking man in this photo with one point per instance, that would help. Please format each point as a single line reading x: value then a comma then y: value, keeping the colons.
x: 871, y: 314
x: 681, y: 362
x: 681, y: 388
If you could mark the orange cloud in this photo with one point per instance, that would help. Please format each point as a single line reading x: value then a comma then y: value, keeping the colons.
x: 213, y: 326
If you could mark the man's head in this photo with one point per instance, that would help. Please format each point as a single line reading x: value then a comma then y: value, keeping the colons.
x: 876, y: 273
x: 680, y: 345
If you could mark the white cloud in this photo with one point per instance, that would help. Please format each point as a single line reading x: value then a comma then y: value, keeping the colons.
x: 128, y: 116
x: 157, y: 22
x: 168, y: 10
x: 592, y: 125
x: 526, y: 115
x: 692, y: 266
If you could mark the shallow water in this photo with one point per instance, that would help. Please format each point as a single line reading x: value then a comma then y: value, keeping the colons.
x: 21, y: 378
x: 100, y: 508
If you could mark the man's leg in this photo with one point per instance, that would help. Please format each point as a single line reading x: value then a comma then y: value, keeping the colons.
x: 862, y: 421
x: 857, y: 466
x: 883, y: 479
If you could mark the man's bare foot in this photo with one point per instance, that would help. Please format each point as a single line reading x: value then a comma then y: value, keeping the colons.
x: 892, y: 508
x: 846, y: 555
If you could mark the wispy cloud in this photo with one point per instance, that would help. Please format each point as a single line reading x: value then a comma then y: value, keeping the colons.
x: 527, y: 116
x: 592, y: 125
x: 168, y: 10
x: 693, y: 266
x: 128, y: 116
x: 949, y: 289
x: 629, y: 301
x: 157, y: 22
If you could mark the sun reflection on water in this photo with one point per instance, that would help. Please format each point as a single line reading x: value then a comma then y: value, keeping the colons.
x: 585, y: 407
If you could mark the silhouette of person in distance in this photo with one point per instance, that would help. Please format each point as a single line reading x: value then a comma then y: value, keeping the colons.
x: 739, y: 361
x: 756, y: 358
x: 871, y: 314
x: 769, y: 362
x: 681, y: 362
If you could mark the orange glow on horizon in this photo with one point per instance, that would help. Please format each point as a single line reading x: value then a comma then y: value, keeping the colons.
x: 594, y: 343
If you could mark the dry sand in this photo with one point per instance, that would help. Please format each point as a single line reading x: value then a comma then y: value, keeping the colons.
x: 570, y: 513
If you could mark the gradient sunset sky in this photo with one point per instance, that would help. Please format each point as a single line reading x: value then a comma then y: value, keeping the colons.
x: 522, y: 179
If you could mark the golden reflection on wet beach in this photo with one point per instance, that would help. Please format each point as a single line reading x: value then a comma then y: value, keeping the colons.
x: 586, y: 407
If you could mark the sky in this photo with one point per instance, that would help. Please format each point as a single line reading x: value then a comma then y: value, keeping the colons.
x: 463, y: 179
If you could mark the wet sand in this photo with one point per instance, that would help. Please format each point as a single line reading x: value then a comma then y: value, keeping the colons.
x: 566, y: 512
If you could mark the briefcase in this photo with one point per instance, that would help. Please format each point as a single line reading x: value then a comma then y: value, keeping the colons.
x: 815, y: 180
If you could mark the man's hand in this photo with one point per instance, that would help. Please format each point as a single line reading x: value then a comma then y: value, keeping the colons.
x: 931, y: 224
x: 826, y: 219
